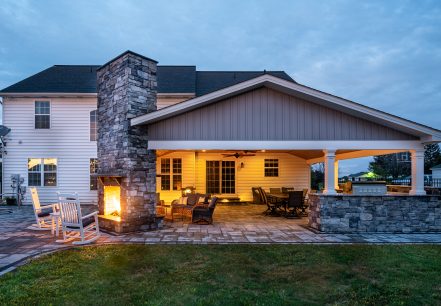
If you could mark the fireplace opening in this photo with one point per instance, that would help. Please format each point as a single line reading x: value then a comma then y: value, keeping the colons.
x: 112, y: 204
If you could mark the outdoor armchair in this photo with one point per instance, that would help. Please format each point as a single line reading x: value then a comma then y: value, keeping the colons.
x: 204, y: 214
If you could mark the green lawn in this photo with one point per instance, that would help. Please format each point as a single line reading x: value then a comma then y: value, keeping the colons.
x: 229, y: 275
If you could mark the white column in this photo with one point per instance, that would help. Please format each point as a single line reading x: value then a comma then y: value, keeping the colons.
x: 329, y: 172
x: 336, y: 174
x: 417, y: 172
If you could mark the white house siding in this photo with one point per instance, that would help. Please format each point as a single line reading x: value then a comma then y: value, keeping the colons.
x: 67, y: 140
x: 293, y: 172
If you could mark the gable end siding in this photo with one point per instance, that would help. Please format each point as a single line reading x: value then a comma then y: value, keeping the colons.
x: 266, y: 114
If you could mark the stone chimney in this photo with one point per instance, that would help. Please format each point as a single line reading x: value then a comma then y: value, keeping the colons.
x: 126, y: 89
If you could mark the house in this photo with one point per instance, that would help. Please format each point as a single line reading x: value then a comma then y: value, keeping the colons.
x: 436, y: 172
x: 162, y: 128
x: 356, y: 177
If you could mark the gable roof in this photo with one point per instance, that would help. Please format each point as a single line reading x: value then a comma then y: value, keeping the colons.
x: 436, y: 167
x: 81, y: 79
x: 58, y: 79
x: 427, y: 134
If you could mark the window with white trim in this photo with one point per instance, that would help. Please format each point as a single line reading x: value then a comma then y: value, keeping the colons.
x: 42, y: 115
x: 271, y: 167
x: 42, y: 172
x: 93, y: 125
x: 171, y: 173
x: 93, y: 167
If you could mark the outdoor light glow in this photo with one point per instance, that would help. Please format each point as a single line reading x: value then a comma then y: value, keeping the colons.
x: 112, y: 205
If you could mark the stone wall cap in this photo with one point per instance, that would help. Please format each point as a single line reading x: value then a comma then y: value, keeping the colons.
x: 124, y: 53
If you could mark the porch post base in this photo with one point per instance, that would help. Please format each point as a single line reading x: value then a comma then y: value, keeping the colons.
x: 417, y: 192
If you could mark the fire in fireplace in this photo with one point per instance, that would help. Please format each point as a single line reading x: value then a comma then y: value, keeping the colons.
x: 112, y: 205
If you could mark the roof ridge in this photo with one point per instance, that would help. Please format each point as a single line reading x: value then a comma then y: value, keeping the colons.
x: 62, y: 65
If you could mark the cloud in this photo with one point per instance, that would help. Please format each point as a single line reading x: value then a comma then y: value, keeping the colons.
x: 385, y: 54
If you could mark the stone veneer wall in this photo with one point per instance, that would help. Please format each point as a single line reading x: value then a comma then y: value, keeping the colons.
x: 127, y: 89
x: 389, y: 214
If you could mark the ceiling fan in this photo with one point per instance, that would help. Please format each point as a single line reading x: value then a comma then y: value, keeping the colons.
x: 240, y: 154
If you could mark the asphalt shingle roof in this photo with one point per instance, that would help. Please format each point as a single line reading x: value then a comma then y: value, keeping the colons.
x: 171, y: 79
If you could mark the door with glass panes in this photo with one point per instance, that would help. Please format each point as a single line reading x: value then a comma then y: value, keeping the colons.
x: 221, y: 176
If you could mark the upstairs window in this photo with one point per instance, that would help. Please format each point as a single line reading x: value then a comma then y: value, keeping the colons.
x: 42, y: 115
x: 271, y: 167
x: 42, y: 172
x: 93, y: 125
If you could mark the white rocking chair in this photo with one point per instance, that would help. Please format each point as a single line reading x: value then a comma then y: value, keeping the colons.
x: 42, y: 213
x: 74, y: 225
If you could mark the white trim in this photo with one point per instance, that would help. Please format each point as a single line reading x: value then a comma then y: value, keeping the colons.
x: 281, y: 84
x: 40, y: 95
x: 96, y: 125
x: 282, y: 145
x: 355, y: 154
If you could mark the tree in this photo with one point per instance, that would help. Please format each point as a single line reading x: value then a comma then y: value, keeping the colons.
x: 317, y: 176
x: 432, y: 156
x: 394, y: 166
x: 390, y: 165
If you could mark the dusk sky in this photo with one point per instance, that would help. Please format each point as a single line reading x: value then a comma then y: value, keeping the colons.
x: 384, y: 54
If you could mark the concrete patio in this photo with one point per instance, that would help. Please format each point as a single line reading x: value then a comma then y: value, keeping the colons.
x: 232, y: 224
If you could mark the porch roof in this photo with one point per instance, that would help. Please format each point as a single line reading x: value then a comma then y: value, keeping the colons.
x: 423, y: 132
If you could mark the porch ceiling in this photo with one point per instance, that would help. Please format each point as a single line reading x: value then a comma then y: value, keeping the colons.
x: 311, y: 156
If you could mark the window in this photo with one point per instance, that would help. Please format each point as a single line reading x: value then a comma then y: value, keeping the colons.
x: 93, y: 125
x: 42, y: 172
x: 271, y: 167
x: 220, y: 176
x: 93, y: 167
x: 177, y: 174
x: 171, y: 174
x: 42, y: 115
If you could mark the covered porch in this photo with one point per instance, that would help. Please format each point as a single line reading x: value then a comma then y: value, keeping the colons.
x: 268, y: 119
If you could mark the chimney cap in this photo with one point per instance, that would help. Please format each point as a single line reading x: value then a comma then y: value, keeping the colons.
x: 123, y: 54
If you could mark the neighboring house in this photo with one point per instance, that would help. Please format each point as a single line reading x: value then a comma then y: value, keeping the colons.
x: 356, y: 177
x: 436, y: 172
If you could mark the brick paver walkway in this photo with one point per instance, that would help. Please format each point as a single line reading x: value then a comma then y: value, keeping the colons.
x: 232, y: 224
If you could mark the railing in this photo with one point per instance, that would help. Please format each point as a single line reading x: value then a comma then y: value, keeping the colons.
x: 391, y: 181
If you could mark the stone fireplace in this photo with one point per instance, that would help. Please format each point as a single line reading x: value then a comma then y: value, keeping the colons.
x: 126, y: 167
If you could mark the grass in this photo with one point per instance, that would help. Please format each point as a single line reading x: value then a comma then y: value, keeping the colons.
x: 229, y: 275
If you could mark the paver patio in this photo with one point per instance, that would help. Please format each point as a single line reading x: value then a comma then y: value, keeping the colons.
x: 232, y: 224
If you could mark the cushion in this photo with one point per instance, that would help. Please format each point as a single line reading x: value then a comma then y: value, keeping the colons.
x: 86, y: 221
x: 183, y: 200
x: 192, y: 198
x: 45, y: 213
x: 201, y: 200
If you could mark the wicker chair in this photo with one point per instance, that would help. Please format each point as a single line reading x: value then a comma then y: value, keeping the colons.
x: 204, y: 214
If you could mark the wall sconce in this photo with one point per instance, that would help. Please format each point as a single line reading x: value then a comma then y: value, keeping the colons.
x: 242, y: 165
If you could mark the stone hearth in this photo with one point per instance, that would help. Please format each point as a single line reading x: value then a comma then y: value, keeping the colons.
x: 126, y: 89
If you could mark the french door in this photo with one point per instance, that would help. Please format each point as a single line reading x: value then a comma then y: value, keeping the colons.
x: 221, y: 176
